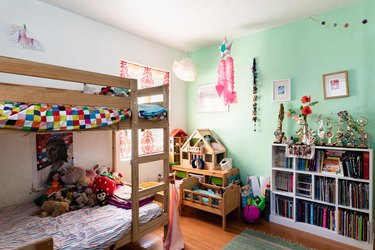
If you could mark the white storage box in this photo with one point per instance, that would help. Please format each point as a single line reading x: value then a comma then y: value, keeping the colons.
x: 226, y: 163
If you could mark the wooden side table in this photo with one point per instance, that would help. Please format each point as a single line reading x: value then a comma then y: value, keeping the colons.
x: 217, y: 177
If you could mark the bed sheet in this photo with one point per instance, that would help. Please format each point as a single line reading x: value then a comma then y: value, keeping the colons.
x: 89, y: 228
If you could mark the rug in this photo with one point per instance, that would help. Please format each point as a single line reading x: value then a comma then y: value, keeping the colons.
x: 255, y: 240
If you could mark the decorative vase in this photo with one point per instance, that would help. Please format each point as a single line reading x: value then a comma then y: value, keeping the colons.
x: 305, y: 137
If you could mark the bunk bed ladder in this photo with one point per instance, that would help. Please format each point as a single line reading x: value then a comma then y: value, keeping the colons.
x: 135, y: 160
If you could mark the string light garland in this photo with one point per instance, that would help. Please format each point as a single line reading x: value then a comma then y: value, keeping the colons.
x: 325, y: 23
x: 255, y: 90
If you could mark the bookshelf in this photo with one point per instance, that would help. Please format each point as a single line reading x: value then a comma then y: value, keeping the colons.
x: 330, y: 195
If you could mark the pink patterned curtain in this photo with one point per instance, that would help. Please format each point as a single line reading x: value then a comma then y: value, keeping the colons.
x: 150, y: 140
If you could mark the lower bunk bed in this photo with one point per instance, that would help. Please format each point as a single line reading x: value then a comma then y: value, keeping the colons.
x: 105, y: 227
x: 88, y: 228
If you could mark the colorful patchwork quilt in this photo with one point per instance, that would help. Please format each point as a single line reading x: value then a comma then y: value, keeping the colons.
x: 45, y: 117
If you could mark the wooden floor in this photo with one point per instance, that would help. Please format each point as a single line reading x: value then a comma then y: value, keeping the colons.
x: 203, y: 230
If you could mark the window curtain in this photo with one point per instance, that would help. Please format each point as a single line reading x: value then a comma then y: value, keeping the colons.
x: 150, y: 140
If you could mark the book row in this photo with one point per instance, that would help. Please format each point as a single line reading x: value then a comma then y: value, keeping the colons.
x: 284, y: 206
x: 353, y: 224
x: 353, y: 194
x: 338, y: 162
x: 316, y: 214
x: 284, y: 181
x: 325, y: 189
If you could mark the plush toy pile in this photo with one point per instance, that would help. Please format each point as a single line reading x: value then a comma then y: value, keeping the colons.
x: 72, y: 188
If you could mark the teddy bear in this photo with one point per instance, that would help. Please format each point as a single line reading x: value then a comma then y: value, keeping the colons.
x: 81, y: 199
x: 71, y: 175
x: 91, y: 197
x: 54, y: 208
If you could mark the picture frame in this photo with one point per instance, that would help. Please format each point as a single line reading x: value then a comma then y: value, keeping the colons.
x: 209, y: 100
x: 335, y: 85
x: 281, y: 90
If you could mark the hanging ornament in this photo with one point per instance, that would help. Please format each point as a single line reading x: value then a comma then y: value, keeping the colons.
x: 225, y: 48
x: 255, y: 90
x: 327, y: 24
x: 185, y: 70
x: 225, y: 85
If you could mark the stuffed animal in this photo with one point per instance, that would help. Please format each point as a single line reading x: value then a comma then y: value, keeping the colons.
x: 90, y: 173
x: 104, y: 183
x: 54, y: 208
x: 91, y: 197
x: 81, y: 199
x: 101, y: 198
x: 72, y: 175
x: 101, y: 170
x: 107, y: 91
x: 117, y: 176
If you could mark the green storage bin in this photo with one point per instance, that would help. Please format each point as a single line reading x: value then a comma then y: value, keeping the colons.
x: 216, y: 180
x: 181, y: 174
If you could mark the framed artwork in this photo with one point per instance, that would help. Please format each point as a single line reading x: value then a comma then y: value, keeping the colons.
x: 335, y: 85
x: 281, y: 90
x: 209, y: 100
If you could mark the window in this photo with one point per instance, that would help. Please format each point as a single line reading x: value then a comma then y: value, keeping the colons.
x: 150, y: 140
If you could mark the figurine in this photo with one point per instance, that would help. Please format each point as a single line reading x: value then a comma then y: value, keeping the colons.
x: 329, y: 133
x: 321, y: 132
x: 362, y: 123
x: 349, y: 135
x: 340, y: 132
x: 279, y: 134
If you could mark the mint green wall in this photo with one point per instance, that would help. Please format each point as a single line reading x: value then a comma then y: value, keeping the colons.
x: 303, y: 51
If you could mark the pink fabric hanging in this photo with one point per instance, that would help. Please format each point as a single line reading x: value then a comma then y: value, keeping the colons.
x: 174, y: 239
x: 225, y: 85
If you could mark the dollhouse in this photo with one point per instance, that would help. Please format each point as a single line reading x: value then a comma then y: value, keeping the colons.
x: 177, y: 138
x: 202, y: 150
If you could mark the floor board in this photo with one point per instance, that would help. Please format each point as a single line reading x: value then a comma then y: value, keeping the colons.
x: 203, y: 230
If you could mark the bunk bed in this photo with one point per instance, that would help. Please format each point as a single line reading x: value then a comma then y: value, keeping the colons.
x: 33, y: 94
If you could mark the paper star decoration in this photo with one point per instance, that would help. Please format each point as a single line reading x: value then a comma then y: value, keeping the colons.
x: 225, y: 48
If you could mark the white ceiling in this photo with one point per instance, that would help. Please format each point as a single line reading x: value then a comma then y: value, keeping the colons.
x: 192, y: 24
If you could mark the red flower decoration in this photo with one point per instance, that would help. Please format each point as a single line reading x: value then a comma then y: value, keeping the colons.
x: 305, y: 99
x: 306, y: 110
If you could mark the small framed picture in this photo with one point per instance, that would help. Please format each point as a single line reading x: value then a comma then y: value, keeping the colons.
x: 281, y: 90
x: 335, y: 85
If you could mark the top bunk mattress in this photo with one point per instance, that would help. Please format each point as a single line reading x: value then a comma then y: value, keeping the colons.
x: 89, y: 228
x: 45, y: 117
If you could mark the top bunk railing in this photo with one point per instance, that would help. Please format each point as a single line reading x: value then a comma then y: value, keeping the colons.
x: 41, y: 70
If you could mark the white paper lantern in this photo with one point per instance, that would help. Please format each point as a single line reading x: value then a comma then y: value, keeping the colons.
x: 184, y: 69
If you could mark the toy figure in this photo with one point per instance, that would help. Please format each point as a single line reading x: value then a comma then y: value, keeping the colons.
x: 101, y: 197
x: 55, y: 184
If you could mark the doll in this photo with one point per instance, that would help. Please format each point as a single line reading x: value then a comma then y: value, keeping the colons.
x: 55, y: 184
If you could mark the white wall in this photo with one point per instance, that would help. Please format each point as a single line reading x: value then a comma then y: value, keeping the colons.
x: 77, y: 42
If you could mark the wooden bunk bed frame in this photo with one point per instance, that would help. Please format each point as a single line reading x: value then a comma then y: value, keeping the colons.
x: 33, y: 94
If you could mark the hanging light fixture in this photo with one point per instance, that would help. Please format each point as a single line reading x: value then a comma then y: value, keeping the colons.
x: 185, y: 69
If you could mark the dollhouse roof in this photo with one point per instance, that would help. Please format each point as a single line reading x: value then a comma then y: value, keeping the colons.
x: 178, y: 133
x: 211, y: 143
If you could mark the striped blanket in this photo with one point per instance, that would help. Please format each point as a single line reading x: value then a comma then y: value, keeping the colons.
x: 89, y: 228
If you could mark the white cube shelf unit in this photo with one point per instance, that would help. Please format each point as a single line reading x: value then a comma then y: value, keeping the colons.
x: 330, y: 195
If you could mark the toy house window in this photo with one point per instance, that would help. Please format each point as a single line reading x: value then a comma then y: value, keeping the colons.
x: 208, y: 158
x: 150, y: 140
x: 219, y: 158
x: 185, y: 155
